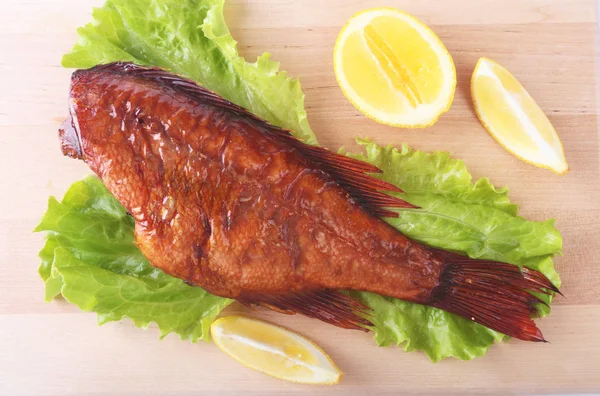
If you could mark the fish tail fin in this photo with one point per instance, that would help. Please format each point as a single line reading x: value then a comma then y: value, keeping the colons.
x: 496, y: 295
x: 330, y: 306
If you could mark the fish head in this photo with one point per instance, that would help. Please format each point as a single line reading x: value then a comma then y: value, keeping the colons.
x: 114, y: 127
x: 69, y: 133
x: 91, y: 113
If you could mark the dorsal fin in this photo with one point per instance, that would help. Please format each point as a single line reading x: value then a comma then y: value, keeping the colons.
x: 348, y: 172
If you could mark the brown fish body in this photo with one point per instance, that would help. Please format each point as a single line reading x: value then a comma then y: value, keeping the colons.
x: 227, y: 202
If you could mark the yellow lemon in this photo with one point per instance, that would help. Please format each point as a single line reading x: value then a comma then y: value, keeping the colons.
x: 274, y: 350
x: 394, y: 69
x: 513, y: 118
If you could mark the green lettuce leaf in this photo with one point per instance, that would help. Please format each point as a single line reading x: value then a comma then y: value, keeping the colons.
x: 190, y: 37
x: 459, y: 215
x: 91, y: 259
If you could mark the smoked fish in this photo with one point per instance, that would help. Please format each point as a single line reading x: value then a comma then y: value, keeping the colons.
x: 228, y: 202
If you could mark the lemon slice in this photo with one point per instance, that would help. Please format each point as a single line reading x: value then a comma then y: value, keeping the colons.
x: 513, y: 118
x: 394, y: 69
x: 274, y: 350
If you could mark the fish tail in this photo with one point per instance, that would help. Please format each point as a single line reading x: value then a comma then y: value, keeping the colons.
x: 496, y: 295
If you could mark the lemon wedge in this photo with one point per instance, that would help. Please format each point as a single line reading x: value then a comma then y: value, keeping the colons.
x: 274, y: 350
x: 513, y: 117
x: 394, y: 69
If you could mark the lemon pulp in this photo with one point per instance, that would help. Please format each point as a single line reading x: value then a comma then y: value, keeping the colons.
x: 274, y: 350
x: 513, y: 117
x: 394, y: 69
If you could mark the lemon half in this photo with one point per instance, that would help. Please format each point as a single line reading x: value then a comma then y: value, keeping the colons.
x: 274, y: 350
x: 513, y: 117
x: 394, y: 69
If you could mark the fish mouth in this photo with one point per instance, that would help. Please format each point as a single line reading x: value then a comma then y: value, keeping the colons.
x: 70, y: 142
x: 69, y: 133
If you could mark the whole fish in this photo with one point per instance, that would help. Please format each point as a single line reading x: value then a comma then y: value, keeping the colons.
x: 230, y: 203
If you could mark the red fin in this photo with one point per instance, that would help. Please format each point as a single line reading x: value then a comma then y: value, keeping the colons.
x: 496, y: 295
x: 330, y: 306
x: 176, y: 82
x: 348, y: 172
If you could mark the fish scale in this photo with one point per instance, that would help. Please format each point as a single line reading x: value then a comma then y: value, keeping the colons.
x: 227, y: 202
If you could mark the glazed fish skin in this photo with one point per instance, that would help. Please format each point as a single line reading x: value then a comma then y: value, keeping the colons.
x: 230, y: 203
x: 222, y: 204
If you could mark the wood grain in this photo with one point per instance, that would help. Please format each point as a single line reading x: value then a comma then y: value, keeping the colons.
x: 550, y: 45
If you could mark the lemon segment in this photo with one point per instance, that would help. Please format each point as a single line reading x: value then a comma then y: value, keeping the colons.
x: 513, y: 117
x: 274, y: 351
x: 394, y: 69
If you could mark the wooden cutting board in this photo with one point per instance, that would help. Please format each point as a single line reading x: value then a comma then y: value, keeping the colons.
x: 550, y: 45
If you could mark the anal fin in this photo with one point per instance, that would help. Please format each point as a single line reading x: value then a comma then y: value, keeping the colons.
x: 330, y: 306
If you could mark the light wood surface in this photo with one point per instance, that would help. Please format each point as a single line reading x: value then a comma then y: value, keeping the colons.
x: 550, y: 45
